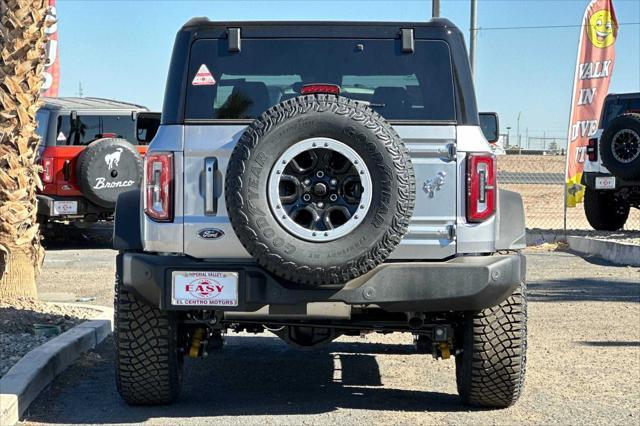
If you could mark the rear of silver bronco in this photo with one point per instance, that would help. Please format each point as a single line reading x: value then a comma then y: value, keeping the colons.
x: 319, y: 206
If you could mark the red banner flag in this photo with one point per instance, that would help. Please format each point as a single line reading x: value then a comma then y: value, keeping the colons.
x: 52, y: 60
x: 594, y: 66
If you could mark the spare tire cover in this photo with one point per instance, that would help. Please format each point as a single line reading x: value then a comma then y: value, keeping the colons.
x: 620, y: 146
x: 320, y: 189
x: 106, y: 168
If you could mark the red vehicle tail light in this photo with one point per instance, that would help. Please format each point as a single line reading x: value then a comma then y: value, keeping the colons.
x: 158, y: 186
x: 331, y: 89
x: 481, y: 187
x: 592, y: 149
x: 47, y: 170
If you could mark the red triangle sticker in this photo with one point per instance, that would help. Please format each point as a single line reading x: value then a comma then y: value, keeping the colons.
x: 203, y: 77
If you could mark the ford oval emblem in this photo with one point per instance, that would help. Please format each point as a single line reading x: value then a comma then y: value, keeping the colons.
x: 211, y: 234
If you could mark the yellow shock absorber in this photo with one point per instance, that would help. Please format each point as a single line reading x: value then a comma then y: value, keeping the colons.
x: 444, y: 350
x: 196, y: 340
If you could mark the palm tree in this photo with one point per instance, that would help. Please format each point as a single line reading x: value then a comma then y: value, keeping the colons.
x: 22, y: 39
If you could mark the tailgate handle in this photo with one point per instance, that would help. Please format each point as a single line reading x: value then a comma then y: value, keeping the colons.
x: 66, y: 170
x: 210, y: 200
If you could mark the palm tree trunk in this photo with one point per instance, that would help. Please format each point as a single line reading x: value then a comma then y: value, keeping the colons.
x: 22, y: 38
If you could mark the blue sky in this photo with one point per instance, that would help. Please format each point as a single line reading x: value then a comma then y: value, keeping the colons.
x: 121, y: 49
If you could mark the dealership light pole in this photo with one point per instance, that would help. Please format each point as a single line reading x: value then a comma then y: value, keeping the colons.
x: 435, y: 8
x: 472, y: 36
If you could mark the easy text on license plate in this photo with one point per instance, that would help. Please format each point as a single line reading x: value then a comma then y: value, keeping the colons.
x: 204, y: 288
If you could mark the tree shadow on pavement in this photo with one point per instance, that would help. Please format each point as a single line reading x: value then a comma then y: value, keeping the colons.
x: 584, y: 289
x: 252, y: 376
x: 69, y: 237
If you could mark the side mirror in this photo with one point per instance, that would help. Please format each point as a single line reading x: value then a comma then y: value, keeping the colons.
x: 490, y: 126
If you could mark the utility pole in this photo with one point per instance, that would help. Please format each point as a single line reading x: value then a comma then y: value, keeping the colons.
x: 518, y: 128
x: 472, y: 38
x: 435, y: 8
x: 508, y: 136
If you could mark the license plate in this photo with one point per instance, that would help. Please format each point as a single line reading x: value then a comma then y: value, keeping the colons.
x: 204, y: 288
x: 606, y: 182
x: 65, y: 207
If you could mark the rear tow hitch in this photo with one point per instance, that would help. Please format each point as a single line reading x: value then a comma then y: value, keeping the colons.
x: 437, y: 343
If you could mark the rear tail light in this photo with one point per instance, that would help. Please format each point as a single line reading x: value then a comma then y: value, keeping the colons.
x: 331, y: 89
x: 47, y: 169
x: 592, y: 149
x: 158, y: 186
x: 481, y: 187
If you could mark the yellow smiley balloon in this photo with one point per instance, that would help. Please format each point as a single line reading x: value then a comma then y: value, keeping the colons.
x: 601, y: 31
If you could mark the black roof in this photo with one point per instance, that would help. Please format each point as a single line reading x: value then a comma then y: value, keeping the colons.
x: 80, y: 104
x: 204, y: 22
x: 206, y: 28
x: 630, y: 95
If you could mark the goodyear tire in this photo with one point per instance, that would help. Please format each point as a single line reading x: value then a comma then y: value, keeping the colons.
x: 106, y: 168
x: 605, y: 210
x: 148, y: 363
x: 490, y: 369
x: 320, y: 189
x: 620, y: 146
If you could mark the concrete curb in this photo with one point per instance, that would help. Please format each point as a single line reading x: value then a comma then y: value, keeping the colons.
x: 29, y: 376
x: 618, y: 253
x: 537, y: 237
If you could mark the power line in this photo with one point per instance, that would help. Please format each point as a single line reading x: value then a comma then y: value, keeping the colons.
x: 544, y: 27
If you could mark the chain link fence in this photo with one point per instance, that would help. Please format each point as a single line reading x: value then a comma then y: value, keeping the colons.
x: 538, y: 175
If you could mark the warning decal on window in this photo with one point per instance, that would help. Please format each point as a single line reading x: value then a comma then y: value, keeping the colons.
x: 203, y: 77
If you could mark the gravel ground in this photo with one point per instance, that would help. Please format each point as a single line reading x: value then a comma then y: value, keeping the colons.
x: 583, y: 365
x: 18, y: 317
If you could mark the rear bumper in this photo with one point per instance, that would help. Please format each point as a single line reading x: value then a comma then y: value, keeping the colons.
x: 460, y: 284
x: 85, y: 208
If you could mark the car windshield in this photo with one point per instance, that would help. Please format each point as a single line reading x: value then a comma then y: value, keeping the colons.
x: 399, y: 86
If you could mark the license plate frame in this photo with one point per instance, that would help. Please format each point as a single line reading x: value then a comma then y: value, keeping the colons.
x: 205, y: 288
x: 606, y: 182
x: 61, y: 208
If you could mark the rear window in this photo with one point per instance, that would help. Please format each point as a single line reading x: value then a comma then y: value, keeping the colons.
x: 616, y: 107
x: 87, y: 128
x: 399, y: 86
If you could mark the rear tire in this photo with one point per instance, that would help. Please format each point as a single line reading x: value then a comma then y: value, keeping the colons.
x: 148, y: 364
x: 491, y: 368
x: 604, y: 210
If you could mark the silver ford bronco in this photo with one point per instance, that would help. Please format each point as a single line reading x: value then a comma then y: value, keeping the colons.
x: 315, y: 180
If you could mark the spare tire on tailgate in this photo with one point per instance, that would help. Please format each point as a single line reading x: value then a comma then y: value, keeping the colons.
x: 620, y: 146
x: 106, y: 168
x: 320, y: 189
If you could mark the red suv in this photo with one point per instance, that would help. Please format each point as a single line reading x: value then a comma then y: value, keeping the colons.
x: 91, y: 151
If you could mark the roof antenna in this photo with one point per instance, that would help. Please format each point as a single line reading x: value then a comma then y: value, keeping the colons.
x: 80, y: 92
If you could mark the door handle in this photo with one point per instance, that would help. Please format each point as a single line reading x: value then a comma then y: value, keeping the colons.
x: 210, y: 200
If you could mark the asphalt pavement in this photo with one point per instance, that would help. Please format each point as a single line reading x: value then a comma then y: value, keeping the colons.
x: 583, y: 363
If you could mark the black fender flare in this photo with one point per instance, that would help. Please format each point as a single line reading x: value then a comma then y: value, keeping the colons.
x: 126, y: 226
